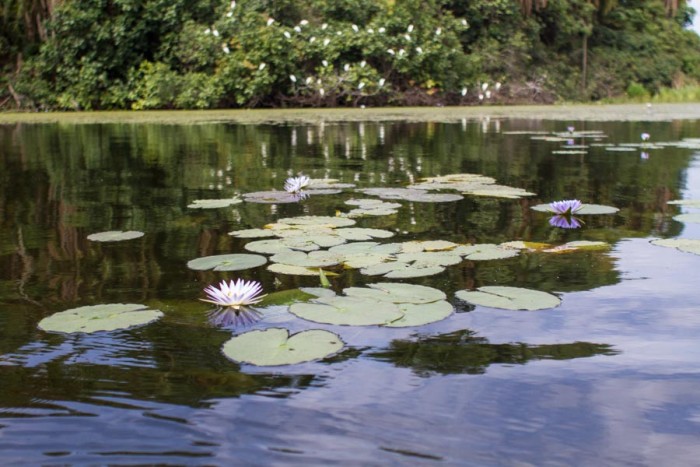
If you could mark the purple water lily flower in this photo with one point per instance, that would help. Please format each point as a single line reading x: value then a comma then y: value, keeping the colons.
x: 645, y: 136
x: 564, y: 222
x: 566, y: 207
x: 234, y: 294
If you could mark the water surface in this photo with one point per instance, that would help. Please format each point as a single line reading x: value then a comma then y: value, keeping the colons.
x: 609, y: 377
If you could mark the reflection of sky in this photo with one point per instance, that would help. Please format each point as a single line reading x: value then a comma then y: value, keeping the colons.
x: 696, y: 21
x: 692, y: 191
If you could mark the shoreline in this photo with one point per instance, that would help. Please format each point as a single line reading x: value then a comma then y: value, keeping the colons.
x: 582, y: 112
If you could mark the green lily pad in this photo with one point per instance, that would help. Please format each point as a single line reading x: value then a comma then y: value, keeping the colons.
x: 292, y: 270
x: 620, y: 149
x: 359, y: 234
x: 509, y: 298
x: 682, y: 244
x: 410, y: 194
x: 313, y: 259
x: 252, y: 233
x: 686, y: 202
x: 95, y: 318
x: 400, y: 270
x: 328, y: 183
x: 214, y: 203
x: 274, y: 197
x: 693, y: 218
x: 318, y: 291
x: 499, y: 191
x: 115, y: 236
x: 421, y: 314
x: 425, y: 259
x: 350, y: 311
x: 274, y: 346
x: 397, y: 293
x: 586, y: 209
x: 367, y: 248
x: 579, y: 245
x: 326, y: 221
x: 231, y: 262
x: 416, y: 246
x: 285, y: 297
x: 485, y: 252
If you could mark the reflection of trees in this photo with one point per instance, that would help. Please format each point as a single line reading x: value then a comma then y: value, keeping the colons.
x: 465, y: 352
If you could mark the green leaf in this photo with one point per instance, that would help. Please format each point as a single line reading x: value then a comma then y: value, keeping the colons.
x: 421, y: 314
x: 351, y: 311
x: 693, y: 218
x: 296, y: 270
x: 509, y: 298
x: 409, y: 194
x: 95, y: 318
x: 397, y: 293
x: 231, y: 262
x: 682, y: 244
x: 485, y: 252
x: 115, y: 236
x: 586, y: 209
x: 313, y: 259
x: 285, y: 297
x: 274, y: 346
x: 214, y: 203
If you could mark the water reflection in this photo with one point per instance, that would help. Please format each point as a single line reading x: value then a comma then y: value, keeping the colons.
x: 466, y: 352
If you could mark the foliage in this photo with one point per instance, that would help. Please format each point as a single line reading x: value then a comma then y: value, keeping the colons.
x: 80, y: 54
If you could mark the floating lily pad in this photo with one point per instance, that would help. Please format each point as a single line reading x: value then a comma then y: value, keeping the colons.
x: 529, y: 246
x: 231, y: 262
x: 686, y: 202
x: 430, y: 258
x: 399, y: 270
x: 268, y: 247
x: 318, y: 291
x: 397, y: 293
x: 367, y: 248
x: 586, y: 209
x: 620, y: 149
x: 419, y: 315
x: 313, y: 259
x: 359, y: 234
x: 328, y: 183
x: 570, y: 151
x: 214, y: 203
x: 274, y: 197
x: 509, y: 298
x: 318, y: 221
x: 485, y: 252
x: 409, y: 194
x: 427, y: 245
x: 693, y: 218
x: 499, y: 191
x: 274, y: 346
x: 682, y: 244
x: 351, y: 311
x: 115, y: 236
x: 95, y: 318
x: 292, y: 270
x: 471, y: 184
x: 253, y: 233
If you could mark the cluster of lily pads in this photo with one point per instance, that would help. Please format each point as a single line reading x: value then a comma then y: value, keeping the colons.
x: 327, y: 245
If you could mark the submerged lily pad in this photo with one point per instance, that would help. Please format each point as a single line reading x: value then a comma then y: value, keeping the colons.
x: 214, y: 203
x: 115, y: 236
x: 95, y: 318
x: 586, y: 209
x: 682, y: 244
x: 350, y: 311
x: 274, y: 346
x: 509, y: 298
x: 231, y: 262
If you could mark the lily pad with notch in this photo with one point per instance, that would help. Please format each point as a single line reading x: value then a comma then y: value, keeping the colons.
x: 509, y: 298
x: 93, y: 318
x: 229, y: 262
x: 275, y: 346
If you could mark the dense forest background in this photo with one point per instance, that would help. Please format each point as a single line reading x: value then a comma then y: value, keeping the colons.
x: 158, y: 54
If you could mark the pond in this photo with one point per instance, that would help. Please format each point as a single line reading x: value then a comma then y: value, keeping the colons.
x: 605, y: 374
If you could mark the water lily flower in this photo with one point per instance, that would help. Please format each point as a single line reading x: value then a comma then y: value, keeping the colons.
x: 570, y: 129
x: 270, y: 21
x: 293, y: 78
x: 296, y: 184
x: 234, y: 294
x: 645, y: 136
x: 410, y: 28
x: 464, y: 91
x: 564, y: 222
x: 566, y: 207
x: 381, y: 82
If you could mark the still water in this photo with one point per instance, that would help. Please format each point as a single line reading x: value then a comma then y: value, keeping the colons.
x: 611, y: 376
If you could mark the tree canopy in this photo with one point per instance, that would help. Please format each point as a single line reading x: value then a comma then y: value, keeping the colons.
x: 156, y: 54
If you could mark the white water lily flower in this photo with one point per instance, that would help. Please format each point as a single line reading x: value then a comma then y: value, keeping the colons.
x: 234, y: 294
x: 566, y: 207
x: 296, y: 184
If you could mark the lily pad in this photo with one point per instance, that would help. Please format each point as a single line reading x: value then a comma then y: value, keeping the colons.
x: 252, y: 233
x: 485, y: 252
x: 350, y: 311
x: 115, y: 236
x: 95, y: 318
x: 693, y: 218
x: 416, y: 246
x: 400, y: 270
x: 579, y: 245
x: 586, y: 209
x: 360, y: 234
x: 419, y: 315
x: 274, y: 346
x: 231, y: 262
x: 313, y: 259
x: 292, y: 270
x: 274, y: 197
x: 327, y: 221
x: 214, y: 203
x: 682, y: 244
x: 686, y: 202
x: 509, y: 298
x: 410, y: 194
x: 397, y: 293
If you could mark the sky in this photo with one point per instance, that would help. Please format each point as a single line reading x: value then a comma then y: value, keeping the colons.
x: 696, y: 22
